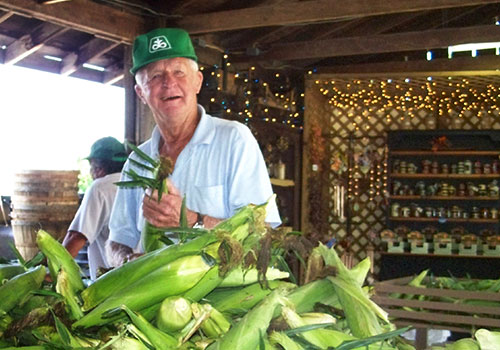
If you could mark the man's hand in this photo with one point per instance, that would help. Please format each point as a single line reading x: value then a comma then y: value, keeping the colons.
x: 117, y: 254
x: 167, y: 211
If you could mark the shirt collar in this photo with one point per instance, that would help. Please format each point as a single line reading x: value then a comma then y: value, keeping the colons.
x: 204, y: 133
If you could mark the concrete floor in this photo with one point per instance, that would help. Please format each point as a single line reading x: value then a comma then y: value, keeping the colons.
x: 6, y: 236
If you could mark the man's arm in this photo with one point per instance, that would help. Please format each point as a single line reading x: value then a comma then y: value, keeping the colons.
x: 74, y: 242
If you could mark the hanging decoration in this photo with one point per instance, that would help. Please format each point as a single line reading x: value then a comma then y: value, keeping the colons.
x: 455, y: 97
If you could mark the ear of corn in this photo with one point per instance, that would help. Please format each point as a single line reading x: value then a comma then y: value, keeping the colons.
x: 208, y: 283
x: 488, y: 340
x: 174, y: 314
x: 358, y: 308
x: 361, y: 312
x: 467, y: 344
x: 7, y: 271
x: 320, y: 337
x: 57, y: 257
x: 216, y: 324
x: 246, y: 334
x: 130, y: 272
x: 171, y: 279
x: 240, y: 277
x: 18, y: 287
x: 64, y: 288
x: 317, y: 318
x: 306, y: 296
x: 127, y: 343
x: 360, y: 271
x: 240, y: 300
x: 284, y: 341
x: 160, y: 340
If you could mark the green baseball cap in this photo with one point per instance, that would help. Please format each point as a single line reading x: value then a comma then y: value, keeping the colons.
x: 160, y: 44
x: 108, y: 148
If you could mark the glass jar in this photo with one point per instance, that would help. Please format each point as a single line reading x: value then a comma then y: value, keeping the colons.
x: 395, y: 210
x: 494, y: 213
x: 467, y: 167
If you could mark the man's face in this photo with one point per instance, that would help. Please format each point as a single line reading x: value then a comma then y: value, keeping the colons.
x: 96, y: 171
x: 169, y: 87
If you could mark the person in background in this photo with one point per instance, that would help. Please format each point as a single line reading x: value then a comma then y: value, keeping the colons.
x: 218, y: 165
x: 107, y: 156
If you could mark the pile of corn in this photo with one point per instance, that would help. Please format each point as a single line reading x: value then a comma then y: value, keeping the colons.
x: 219, y: 290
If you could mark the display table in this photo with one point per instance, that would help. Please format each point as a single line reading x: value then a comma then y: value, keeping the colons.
x: 394, y: 265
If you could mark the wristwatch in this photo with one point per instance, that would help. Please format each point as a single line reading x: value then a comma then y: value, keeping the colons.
x: 199, y: 220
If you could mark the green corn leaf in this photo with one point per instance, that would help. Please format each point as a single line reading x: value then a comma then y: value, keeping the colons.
x: 17, y: 254
x: 141, y: 165
x: 61, y: 330
x: 306, y: 328
x: 143, y: 155
x: 130, y: 184
x: 183, y: 220
x: 165, y: 240
x: 354, y: 344
x: 262, y: 344
x: 192, y: 232
x: 47, y: 293
x: 35, y: 261
x: 283, y: 266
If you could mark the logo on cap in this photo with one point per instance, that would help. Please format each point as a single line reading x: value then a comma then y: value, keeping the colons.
x: 159, y: 43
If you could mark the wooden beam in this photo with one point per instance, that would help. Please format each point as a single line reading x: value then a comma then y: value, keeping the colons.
x: 92, y: 49
x: 113, y: 74
x: 457, y: 64
x: 30, y: 43
x: 400, y: 42
x: 314, y: 11
x: 6, y: 16
x: 82, y: 15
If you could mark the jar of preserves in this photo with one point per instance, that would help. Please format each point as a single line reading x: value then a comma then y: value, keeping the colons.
x: 478, y: 167
x: 467, y: 167
x: 494, y: 213
x: 395, y: 210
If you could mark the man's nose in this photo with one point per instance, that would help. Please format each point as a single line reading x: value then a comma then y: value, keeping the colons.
x: 167, y: 81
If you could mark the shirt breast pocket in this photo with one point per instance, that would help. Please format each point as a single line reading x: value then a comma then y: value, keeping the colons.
x: 209, y: 200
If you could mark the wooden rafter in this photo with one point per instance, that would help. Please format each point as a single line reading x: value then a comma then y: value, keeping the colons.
x: 82, y: 15
x: 6, y: 16
x: 400, y: 42
x: 315, y: 11
x: 457, y: 64
x: 92, y: 49
x: 113, y: 74
x: 30, y: 43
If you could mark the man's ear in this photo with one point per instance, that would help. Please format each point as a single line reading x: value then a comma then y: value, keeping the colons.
x: 138, y: 91
x: 200, y: 82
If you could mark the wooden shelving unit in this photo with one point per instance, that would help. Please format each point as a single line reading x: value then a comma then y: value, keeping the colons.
x: 415, y: 147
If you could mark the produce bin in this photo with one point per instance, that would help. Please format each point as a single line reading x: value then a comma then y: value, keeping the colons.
x: 443, y: 312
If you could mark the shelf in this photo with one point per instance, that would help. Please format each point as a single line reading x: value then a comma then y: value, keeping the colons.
x: 282, y: 183
x: 408, y: 254
x: 444, y: 176
x: 446, y: 198
x: 458, y: 153
x: 490, y: 221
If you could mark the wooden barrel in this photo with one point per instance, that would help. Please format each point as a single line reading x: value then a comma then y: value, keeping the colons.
x: 42, y: 199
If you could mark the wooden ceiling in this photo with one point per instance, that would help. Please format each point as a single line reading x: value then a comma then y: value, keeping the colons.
x: 64, y: 37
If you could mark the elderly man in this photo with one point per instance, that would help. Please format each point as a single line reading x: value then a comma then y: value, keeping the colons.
x: 218, y: 165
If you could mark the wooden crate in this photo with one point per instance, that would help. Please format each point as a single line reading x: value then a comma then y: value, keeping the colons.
x: 436, y: 314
